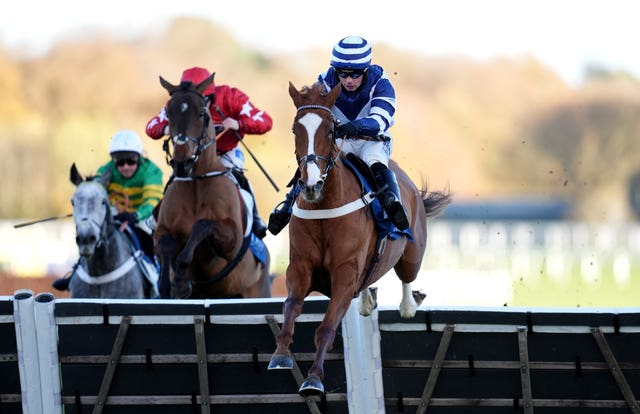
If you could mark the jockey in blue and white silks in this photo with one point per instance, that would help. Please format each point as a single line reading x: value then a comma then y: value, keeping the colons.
x: 365, y: 111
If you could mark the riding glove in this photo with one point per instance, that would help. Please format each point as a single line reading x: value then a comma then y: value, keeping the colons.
x: 348, y: 129
x: 131, y: 218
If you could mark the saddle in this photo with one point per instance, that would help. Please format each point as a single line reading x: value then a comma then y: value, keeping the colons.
x: 386, y: 229
x: 149, y: 266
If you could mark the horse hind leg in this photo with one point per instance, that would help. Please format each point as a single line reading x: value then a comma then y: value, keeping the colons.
x: 411, y: 299
x: 368, y: 301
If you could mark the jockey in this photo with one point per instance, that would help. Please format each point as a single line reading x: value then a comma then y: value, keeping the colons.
x: 135, y: 187
x: 365, y: 112
x: 230, y: 109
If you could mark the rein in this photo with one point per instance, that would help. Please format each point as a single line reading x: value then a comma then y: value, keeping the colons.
x: 316, y: 214
x: 210, y: 174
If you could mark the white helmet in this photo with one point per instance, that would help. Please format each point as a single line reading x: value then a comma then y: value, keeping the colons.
x: 126, y: 140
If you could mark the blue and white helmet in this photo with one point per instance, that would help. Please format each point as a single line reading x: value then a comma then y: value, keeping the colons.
x: 351, y: 53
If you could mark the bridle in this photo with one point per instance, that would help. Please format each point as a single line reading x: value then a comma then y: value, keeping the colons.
x: 102, y: 227
x: 317, y: 214
x: 201, y: 143
x: 330, y: 160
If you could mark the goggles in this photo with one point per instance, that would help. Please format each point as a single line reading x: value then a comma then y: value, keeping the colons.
x: 122, y: 161
x: 354, y: 74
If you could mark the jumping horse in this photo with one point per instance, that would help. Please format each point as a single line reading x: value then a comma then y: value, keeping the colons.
x: 333, y: 239
x: 203, y: 237
x: 110, y: 265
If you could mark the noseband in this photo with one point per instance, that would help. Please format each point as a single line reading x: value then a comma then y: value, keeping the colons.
x: 312, y: 158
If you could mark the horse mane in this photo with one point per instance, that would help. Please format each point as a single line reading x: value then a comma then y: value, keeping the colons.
x: 185, y: 86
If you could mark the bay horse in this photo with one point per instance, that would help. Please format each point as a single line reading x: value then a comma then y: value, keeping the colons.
x: 109, y: 266
x: 203, y: 237
x: 332, y: 245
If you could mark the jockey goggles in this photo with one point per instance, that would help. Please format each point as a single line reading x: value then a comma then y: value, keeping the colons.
x: 122, y: 161
x: 353, y: 74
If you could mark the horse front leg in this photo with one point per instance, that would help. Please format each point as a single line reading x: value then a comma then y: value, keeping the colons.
x: 291, y: 309
x: 166, y: 248
x: 341, y: 297
x: 181, y: 287
x: 281, y: 358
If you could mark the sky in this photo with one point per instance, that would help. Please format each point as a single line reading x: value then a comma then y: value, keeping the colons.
x: 563, y: 34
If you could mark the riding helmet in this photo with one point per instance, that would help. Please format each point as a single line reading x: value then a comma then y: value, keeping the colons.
x: 196, y: 75
x: 351, y: 53
x: 125, y: 141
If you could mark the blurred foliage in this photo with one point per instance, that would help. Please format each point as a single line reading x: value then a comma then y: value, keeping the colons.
x: 487, y: 129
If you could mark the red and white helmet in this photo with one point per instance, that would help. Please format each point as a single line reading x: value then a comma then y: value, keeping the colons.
x: 196, y: 75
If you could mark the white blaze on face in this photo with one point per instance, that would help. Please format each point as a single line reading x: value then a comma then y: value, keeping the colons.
x: 311, y: 122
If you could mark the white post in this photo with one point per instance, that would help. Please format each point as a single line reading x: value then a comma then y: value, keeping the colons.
x: 27, y: 346
x: 362, y: 361
x: 48, y: 353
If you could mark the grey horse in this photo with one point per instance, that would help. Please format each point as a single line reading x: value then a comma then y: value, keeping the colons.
x: 109, y: 265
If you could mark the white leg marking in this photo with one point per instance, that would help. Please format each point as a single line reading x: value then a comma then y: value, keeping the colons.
x: 367, y: 303
x: 408, y: 305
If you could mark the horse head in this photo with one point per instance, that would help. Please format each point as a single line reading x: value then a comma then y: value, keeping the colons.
x: 189, y: 117
x: 91, y: 211
x: 315, y: 143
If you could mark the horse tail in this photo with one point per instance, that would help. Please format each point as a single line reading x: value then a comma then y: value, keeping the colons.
x: 435, y: 201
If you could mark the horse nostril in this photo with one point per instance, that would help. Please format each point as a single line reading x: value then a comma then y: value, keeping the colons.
x: 302, y: 185
x: 318, y: 185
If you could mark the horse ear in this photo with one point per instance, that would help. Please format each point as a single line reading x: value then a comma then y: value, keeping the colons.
x: 105, y: 178
x: 294, y: 93
x: 202, y: 86
x: 74, y: 175
x: 168, y: 86
x: 333, y: 95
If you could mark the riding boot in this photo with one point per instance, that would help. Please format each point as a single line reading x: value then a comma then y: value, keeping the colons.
x: 62, y: 284
x: 281, y: 215
x: 390, y: 198
x: 258, y: 228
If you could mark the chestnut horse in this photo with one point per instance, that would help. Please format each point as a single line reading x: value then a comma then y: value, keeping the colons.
x: 203, y: 237
x: 332, y: 244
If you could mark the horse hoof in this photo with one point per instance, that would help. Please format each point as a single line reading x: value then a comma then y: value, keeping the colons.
x: 418, y: 296
x: 280, y: 362
x: 311, y: 387
x: 182, y: 292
